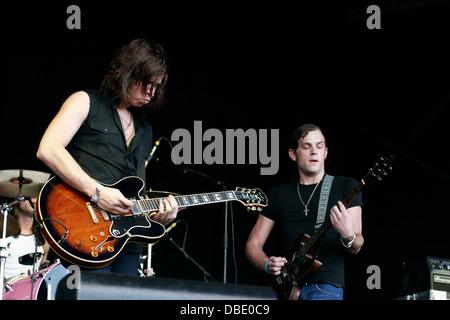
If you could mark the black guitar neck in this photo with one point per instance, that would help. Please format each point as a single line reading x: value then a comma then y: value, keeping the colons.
x: 320, y: 232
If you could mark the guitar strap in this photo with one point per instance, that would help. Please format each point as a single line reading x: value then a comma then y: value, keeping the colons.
x: 323, y: 200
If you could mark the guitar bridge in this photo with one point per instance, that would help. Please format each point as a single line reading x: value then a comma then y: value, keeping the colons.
x: 93, y: 212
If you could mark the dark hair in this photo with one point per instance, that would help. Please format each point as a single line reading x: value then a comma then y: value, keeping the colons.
x: 300, y: 133
x: 141, y: 60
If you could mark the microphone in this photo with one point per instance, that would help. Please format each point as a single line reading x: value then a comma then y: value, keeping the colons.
x: 153, y: 150
x: 173, y: 225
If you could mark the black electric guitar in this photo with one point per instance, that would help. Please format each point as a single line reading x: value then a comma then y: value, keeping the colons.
x: 302, y: 256
x: 83, y: 234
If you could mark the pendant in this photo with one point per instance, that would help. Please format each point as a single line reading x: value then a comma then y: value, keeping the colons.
x: 306, y: 211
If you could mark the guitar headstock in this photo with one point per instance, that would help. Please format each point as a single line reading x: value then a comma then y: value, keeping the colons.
x: 379, y: 170
x: 253, y: 199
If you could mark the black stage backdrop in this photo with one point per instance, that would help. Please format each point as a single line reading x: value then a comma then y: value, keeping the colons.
x: 261, y: 66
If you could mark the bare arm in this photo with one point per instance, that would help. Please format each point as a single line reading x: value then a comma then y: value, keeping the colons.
x: 52, y: 148
x: 52, y: 151
x: 255, y: 244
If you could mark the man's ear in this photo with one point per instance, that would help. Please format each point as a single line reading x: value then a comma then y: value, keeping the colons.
x: 293, y: 155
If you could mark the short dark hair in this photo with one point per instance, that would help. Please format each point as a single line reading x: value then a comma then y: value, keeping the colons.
x: 301, y: 132
x: 141, y: 60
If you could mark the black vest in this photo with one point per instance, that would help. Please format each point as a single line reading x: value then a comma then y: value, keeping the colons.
x: 99, y: 146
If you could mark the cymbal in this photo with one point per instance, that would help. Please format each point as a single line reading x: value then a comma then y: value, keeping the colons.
x: 12, y: 226
x: 160, y: 194
x: 32, y: 182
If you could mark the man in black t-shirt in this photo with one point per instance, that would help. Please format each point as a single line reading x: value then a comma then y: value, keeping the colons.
x: 294, y: 208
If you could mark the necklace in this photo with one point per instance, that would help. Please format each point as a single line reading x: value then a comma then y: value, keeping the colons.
x: 125, y: 126
x: 300, y: 197
x: 128, y: 136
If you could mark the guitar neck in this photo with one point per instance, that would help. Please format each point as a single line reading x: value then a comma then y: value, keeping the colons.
x: 149, y: 205
x: 320, y: 232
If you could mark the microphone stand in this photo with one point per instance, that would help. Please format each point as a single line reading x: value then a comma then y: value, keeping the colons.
x: 225, y: 233
x: 214, y: 181
x: 206, y: 273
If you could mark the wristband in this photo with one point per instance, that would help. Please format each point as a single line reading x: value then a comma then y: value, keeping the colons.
x: 348, y: 245
x: 265, y: 267
x: 96, y: 196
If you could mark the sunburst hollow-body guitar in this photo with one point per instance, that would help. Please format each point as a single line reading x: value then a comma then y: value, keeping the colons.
x: 82, y: 233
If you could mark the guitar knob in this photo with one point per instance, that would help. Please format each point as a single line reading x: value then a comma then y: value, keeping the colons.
x: 110, y: 248
x: 80, y: 242
x: 94, y: 253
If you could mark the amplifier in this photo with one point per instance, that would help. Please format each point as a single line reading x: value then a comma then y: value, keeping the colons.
x: 439, y: 279
x: 426, y: 279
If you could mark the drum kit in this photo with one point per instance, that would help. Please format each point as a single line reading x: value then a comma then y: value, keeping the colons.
x: 22, y: 185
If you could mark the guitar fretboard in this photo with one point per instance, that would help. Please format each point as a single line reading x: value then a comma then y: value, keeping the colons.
x: 327, y: 223
x: 148, y: 205
x: 189, y: 200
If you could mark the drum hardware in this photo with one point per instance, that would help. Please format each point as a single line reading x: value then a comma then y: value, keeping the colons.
x: 11, y: 224
x: 8, y: 287
x: 21, y: 182
x: 147, y: 272
x: 25, y: 185
x: 5, y: 209
x: 39, y: 286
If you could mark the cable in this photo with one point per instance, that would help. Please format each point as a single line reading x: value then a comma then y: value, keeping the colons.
x: 233, y: 244
x: 63, y: 238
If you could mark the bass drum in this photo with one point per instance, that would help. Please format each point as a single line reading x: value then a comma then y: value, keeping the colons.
x: 42, y: 288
